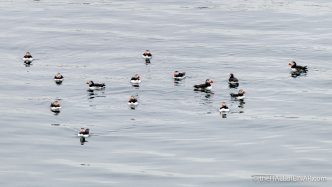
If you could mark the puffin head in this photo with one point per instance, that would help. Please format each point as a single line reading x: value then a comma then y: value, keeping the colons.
x: 209, y: 81
x: 292, y: 63
x: 89, y: 82
x: 56, y: 102
x: 231, y: 75
x: 242, y: 91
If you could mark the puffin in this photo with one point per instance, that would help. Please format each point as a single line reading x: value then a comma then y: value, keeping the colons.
x: 179, y: 75
x: 84, y: 132
x: 233, y: 81
x: 224, y: 107
x: 135, y: 79
x: 147, y: 56
x: 95, y: 86
x: 296, y: 68
x: 58, y: 78
x: 239, y: 95
x: 132, y: 102
x: 27, y: 58
x: 55, y: 106
x: 206, y: 86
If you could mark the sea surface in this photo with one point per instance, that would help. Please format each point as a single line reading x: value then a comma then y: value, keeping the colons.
x: 176, y: 137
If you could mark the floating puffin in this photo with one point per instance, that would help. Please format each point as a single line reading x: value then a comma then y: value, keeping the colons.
x: 55, y: 106
x: 147, y: 56
x: 240, y: 95
x: 95, y: 86
x: 177, y: 76
x: 233, y: 81
x: 296, y: 68
x: 58, y: 78
x: 132, y: 102
x: 84, y: 132
x: 203, y: 87
x: 224, y: 107
x: 27, y: 58
x: 135, y: 79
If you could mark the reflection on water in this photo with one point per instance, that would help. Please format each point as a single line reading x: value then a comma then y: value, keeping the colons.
x: 208, y: 94
x: 58, y: 82
x: 241, y: 103
x: 27, y: 64
x: 133, y: 107
x: 233, y: 85
x: 135, y: 85
x: 241, y: 106
x: 223, y: 114
x: 82, y: 140
x: 205, y: 95
x: 56, y: 112
x: 178, y: 82
x: 296, y: 74
x: 93, y: 93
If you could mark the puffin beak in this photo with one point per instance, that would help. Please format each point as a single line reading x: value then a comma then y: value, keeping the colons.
x: 211, y: 81
x: 289, y: 64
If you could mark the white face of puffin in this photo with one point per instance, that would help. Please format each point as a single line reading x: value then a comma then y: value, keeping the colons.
x: 210, y: 81
x: 291, y: 63
x: 58, y: 75
x: 176, y: 73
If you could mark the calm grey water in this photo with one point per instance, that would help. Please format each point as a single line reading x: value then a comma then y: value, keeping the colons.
x: 175, y: 137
